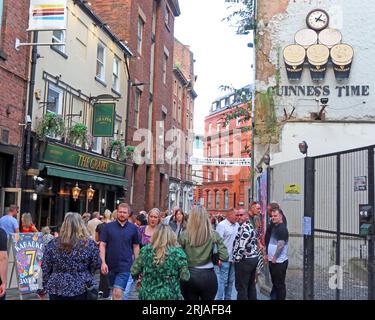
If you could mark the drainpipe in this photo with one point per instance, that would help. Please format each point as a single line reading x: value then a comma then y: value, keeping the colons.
x: 34, y: 58
x: 253, y: 106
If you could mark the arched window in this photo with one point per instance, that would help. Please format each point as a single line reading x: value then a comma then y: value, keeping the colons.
x: 209, y: 199
x: 226, y: 199
x: 217, y: 199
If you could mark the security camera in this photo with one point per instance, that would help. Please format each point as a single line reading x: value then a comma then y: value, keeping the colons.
x: 36, y: 178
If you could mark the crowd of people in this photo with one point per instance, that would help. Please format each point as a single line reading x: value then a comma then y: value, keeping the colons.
x: 165, y: 256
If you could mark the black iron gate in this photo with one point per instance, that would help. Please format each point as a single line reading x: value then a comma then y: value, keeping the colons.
x: 338, y: 261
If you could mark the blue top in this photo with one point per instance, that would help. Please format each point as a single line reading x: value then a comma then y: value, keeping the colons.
x: 67, y: 274
x: 120, y: 241
x: 9, y: 224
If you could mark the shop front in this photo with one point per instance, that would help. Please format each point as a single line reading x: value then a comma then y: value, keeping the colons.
x: 9, y: 193
x: 77, y: 180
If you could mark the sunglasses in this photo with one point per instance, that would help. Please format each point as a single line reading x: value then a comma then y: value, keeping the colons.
x: 239, y: 215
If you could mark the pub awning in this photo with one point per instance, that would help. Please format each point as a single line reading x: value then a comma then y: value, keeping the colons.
x: 84, y: 176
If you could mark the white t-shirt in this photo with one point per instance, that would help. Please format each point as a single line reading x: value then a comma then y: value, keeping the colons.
x: 228, y: 232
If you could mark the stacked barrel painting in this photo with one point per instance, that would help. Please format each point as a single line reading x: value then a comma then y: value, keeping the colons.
x: 318, y: 50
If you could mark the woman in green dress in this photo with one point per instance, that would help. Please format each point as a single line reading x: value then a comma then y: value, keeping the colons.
x: 160, y: 266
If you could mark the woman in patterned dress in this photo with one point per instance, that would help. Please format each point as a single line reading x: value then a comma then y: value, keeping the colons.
x: 146, y: 232
x: 70, y: 260
x: 160, y: 266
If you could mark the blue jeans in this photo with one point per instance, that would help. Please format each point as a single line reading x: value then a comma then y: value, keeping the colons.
x: 225, y: 277
x: 118, y: 279
x: 129, y: 287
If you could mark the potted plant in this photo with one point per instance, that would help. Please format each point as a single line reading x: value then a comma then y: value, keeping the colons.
x: 78, y: 134
x: 117, y: 150
x: 51, y: 125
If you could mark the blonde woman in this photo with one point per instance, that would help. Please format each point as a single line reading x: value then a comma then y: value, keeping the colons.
x: 161, y: 265
x: 70, y: 260
x: 146, y: 232
x: 197, y: 241
x: 27, y: 223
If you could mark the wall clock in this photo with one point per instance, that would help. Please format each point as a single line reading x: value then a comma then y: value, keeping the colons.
x: 317, y: 19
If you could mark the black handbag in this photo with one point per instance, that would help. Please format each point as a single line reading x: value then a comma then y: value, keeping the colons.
x: 215, y: 254
x: 92, y: 293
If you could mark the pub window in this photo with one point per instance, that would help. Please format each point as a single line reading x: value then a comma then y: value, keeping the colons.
x: 115, y: 74
x: 97, y: 144
x: 54, y: 99
x: 58, y: 36
x: 100, y: 62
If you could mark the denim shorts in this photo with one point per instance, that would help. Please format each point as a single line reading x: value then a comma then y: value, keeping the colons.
x: 118, y: 279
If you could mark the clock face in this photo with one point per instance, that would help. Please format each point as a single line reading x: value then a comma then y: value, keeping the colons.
x: 317, y: 19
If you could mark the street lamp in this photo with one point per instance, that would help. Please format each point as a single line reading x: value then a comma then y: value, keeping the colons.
x: 303, y: 147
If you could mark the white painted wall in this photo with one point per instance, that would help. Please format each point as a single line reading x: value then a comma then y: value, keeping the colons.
x: 321, y: 138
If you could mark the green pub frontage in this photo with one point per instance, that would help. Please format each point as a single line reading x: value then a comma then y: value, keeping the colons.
x: 72, y: 179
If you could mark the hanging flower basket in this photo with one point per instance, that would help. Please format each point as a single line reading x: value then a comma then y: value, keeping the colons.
x: 78, y: 135
x: 117, y: 150
x: 51, y: 125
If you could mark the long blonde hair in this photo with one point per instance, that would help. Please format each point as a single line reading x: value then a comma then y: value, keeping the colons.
x: 198, y: 228
x: 26, y: 220
x: 162, y: 238
x: 72, y: 231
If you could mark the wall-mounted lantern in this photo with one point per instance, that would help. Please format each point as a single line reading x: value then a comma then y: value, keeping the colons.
x: 76, y: 191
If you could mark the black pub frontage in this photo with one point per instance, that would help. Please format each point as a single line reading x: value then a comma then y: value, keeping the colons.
x: 73, y: 179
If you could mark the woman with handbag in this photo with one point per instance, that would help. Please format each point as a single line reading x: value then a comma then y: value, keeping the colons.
x: 70, y: 261
x: 160, y: 266
x: 198, y: 242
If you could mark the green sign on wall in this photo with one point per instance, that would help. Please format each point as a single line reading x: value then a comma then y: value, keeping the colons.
x: 65, y: 156
x: 103, y: 120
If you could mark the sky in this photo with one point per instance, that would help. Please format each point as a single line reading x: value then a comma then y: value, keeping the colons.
x: 222, y: 57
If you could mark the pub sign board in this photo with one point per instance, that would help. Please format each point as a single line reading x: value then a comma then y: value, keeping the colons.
x: 103, y: 120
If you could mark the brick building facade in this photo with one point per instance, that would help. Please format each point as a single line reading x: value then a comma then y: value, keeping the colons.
x: 147, y: 28
x: 180, y: 175
x: 225, y: 187
x: 13, y: 89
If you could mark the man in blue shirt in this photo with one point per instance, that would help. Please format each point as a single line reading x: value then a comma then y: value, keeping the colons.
x: 9, y: 222
x: 3, y: 263
x: 119, y: 241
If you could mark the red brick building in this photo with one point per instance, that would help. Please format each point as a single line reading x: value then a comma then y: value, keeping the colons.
x: 13, y: 88
x: 147, y: 27
x: 225, y: 187
x: 180, y: 175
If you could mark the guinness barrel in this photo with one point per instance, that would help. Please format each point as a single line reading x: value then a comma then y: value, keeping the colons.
x: 294, y: 58
x: 342, y: 57
x: 330, y: 37
x: 317, y: 56
x: 306, y: 37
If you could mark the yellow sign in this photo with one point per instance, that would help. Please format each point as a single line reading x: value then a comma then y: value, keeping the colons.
x: 292, y: 189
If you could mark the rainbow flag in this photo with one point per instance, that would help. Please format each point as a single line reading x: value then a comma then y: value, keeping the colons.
x: 47, y: 15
